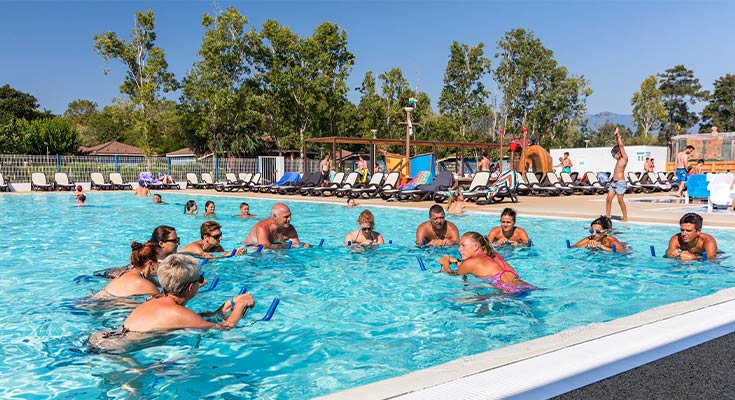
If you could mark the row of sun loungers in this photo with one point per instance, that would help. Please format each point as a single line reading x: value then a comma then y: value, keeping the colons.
x: 63, y: 182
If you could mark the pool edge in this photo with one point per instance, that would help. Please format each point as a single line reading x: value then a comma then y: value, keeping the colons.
x: 604, y: 349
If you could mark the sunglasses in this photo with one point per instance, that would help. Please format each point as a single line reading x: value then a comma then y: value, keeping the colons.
x: 175, y: 240
x: 366, y: 229
x: 198, y: 280
x: 597, y: 231
x: 216, y: 237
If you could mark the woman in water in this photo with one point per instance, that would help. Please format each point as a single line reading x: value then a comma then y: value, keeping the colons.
x: 480, y: 260
x: 191, y: 208
x: 366, y: 234
x: 507, y: 233
x: 166, y: 238
x: 209, y: 208
x: 599, y: 238
x: 457, y: 203
x: 138, y: 280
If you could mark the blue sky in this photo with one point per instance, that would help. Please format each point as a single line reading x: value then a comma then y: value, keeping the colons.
x: 47, y: 47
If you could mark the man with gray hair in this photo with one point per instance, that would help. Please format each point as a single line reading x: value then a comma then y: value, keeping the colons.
x: 180, y: 280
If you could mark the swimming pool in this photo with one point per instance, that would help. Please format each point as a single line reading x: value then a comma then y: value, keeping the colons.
x: 346, y: 317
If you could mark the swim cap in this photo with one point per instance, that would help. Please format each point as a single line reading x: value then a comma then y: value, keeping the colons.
x: 79, y: 188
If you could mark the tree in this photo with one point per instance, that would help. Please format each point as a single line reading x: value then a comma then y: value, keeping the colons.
x: 215, y: 91
x: 463, y: 96
x: 395, y: 90
x: 604, y: 136
x: 146, y: 76
x: 680, y: 89
x: 16, y: 104
x: 648, y: 109
x: 39, y: 136
x: 720, y: 111
x: 80, y: 113
x: 537, y: 92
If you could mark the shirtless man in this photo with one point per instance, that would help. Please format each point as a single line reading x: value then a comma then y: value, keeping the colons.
x: 507, y: 233
x: 682, y: 160
x: 275, y: 231
x: 437, y: 231
x: 618, y: 185
x: 484, y: 164
x: 690, y: 243
x: 157, y: 199
x: 245, y: 211
x: 141, y: 191
x: 324, y: 166
x: 211, y: 235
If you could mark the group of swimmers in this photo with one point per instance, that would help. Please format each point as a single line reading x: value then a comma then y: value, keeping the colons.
x: 177, y: 273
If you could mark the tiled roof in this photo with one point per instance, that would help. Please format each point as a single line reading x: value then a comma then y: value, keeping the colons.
x: 111, y: 148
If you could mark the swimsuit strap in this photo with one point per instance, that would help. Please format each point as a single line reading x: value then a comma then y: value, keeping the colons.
x: 504, y: 270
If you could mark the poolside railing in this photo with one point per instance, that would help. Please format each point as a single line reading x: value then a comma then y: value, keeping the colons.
x: 19, y: 167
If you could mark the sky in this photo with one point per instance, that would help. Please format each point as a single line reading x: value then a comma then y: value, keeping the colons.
x: 47, y: 47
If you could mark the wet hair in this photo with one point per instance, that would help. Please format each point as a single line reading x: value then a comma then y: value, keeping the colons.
x: 566, y: 153
x: 208, y: 227
x: 700, y: 161
x: 208, y: 203
x: 82, y: 197
x: 603, y: 221
x: 509, y: 212
x: 366, y: 217
x: 244, y: 204
x: 692, y: 218
x: 189, y: 205
x: 615, y: 150
x: 144, y: 252
x: 161, y: 233
x: 436, y: 209
x: 157, y: 195
x: 689, y: 147
x: 482, y: 241
x: 176, y: 272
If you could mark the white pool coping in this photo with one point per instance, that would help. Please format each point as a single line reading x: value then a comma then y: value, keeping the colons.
x: 555, y: 364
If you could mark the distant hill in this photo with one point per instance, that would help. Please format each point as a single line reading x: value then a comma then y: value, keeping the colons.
x: 594, y: 121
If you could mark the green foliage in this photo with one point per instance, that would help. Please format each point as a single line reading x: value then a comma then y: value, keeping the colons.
x: 15, y: 104
x: 463, y: 96
x: 604, y: 136
x: 648, y: 108
x: 39, y: 136
x: 537, y: 92
x: 146, y: 76
x: 720, y: 111
x: 680, y: 89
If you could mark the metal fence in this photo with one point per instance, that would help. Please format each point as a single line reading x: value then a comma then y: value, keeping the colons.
x: 18, y: 167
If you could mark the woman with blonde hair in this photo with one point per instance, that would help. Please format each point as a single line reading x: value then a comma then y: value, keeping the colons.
x: 480, y: 259
x: 366, y: 234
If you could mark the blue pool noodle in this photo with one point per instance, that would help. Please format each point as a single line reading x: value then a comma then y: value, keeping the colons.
x: 203, y: 262
x: 529, y: 243
x: 569, y: 244
x: 259, y: 249
x: 349, y: 243
x: 704, y: 256
x: 271, y: 309
x: 232, y: 253
x: 653, y: 251
x: 390, y: 241
x: 288, y: 245
x: 423, y: 242
x: 321, y: 242
x: 211, y: 286
x: 614, y: 248
x: 421, y: 263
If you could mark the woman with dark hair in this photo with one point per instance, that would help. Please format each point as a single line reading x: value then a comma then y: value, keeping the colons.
x: 599, y: 238
x: 480, y: 259
x: 164, y: 236
x: 507, y: 233
x: 191, y: 208
x: 139, y: 279
x: 209, y: 208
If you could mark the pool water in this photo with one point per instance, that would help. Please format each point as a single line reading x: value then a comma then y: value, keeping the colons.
x: 346, y: 317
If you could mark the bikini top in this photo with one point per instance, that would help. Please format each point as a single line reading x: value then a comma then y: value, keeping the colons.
x: 497, y: 277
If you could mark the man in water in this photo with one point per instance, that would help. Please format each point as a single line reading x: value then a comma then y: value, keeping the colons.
x: 682, y: 161
x: 274, y: 231
x: 618, y: 185
x: 690, y: 242
x: 507, y: 232
x: 437, y: 231
x: 157, y: 199
x: 211, y: 235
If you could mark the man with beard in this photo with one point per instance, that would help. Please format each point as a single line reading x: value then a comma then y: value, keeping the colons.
x: 437, y: 231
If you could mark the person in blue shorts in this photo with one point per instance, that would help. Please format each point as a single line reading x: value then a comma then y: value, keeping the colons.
x: 618, y: 185
x: 682, y: 160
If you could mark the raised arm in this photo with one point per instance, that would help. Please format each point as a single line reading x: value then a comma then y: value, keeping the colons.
x: 619, y: 139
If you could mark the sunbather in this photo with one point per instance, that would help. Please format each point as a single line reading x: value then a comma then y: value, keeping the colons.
x: 507, y: 233
x: 139, y: 279
x: 599, y: 238
x: 437, y: 231
x: 209, y: 244
x: 479, y: 259
x: 690, y: 243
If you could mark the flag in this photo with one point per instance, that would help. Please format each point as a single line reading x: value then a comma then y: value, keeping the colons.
x: 410, y: 127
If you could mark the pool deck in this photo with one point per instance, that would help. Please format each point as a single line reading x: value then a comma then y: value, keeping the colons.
x: 581, y: 357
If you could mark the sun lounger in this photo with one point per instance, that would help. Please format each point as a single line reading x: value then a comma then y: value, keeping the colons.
x: 504, y: 186
x: 372, y: 187
x: 348, y: 184
x: 421, y: 178
x: 38, y: 182
x: 98, y: 182
x: 635, y: 186
x: 650, y: 178
x: 553, y: 181
x: 584, y: 188
x: 207, y: 180
x: 117, y: 182
x: 192, y: 182
x: 538, y: 188
x: 479, y: 183
x: 62, y: 181
x: 333, y: 185
x: 310, y: 179
x: 4, y: 184
x: 443, y: 181
x: 595, y: 183
x: 720, y: 194
x: 232, y: 184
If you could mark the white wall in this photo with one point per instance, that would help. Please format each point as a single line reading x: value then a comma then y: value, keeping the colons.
x: 598, y: 159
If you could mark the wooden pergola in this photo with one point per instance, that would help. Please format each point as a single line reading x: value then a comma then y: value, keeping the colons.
x: 334, y: 140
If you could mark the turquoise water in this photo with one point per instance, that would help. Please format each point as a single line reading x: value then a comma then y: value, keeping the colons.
x: 346, y: 317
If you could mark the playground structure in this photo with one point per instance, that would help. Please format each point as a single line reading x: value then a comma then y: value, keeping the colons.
x: 535, y: 157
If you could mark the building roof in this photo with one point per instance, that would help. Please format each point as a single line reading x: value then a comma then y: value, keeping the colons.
x: 185, y: 152
x: 111, y: 148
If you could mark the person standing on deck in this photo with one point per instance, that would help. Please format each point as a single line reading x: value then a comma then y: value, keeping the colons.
x: 682, y: 160
x: 618, y: 185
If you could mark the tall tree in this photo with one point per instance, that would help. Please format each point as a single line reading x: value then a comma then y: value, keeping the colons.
x: 395, y: 93
x: 464, y: 95
x: 370, y: 110
x: 16, y: 104
x: 680, y: 89
x: 720, y: 111
x: 537, y: 92
x: 648, y: 108
x: 147, y: 73
x: 216, y: 90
